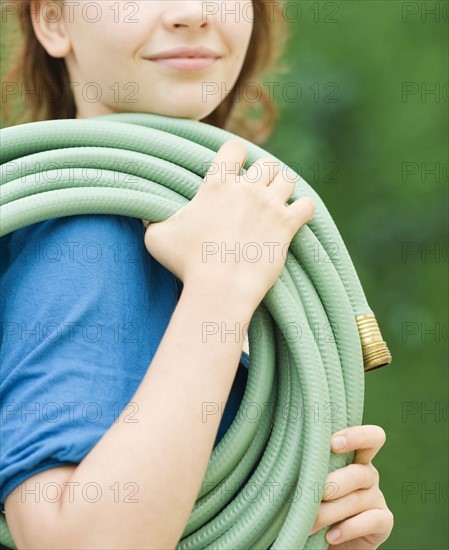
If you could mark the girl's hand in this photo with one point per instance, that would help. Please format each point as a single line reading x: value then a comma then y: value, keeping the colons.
x: 353, y: 492
x: 232, y: 235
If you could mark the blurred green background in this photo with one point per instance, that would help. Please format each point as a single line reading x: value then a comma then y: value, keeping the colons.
x: 368, y: 133
x: 364, y: 119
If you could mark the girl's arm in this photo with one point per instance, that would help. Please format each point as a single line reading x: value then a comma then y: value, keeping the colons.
x: 162, y: 456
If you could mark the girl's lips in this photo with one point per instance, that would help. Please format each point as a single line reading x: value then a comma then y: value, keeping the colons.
x: 187, y: 64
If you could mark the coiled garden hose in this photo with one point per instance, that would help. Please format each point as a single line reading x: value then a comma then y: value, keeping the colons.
x: 302, y: 388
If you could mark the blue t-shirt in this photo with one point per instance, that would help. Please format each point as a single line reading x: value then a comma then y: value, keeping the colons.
x: 84, y: 307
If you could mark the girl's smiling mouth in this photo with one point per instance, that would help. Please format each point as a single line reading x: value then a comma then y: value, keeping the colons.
x: 186, y: 59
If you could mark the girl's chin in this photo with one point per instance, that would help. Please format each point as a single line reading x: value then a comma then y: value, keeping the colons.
x: 193, y: 113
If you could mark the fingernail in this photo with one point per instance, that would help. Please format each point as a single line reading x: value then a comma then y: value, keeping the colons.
x: 333, y: 535
x: 339, y: 442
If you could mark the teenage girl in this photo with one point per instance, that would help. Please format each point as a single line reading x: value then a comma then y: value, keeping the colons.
x: 105, y: 369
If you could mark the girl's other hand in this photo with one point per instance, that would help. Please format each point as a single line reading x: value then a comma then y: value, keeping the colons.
x: 352, y: 498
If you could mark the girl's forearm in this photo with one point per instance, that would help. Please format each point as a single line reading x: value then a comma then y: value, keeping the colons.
x: 164, y: 455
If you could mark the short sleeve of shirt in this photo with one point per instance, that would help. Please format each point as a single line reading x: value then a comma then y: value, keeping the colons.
x: 84, y: 307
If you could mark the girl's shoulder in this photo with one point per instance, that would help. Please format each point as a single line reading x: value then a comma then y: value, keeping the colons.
x: 84, y: 238
x: 84, y: 224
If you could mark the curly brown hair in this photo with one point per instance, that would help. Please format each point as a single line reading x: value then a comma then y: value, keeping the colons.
x: 247, y: 110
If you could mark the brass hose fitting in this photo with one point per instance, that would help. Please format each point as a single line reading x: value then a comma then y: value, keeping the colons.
x: 375, y: 351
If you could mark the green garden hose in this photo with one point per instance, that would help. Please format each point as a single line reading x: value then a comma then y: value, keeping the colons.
x: 300, y: 388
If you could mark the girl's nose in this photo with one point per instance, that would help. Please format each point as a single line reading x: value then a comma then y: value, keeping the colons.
x: 190, y: 14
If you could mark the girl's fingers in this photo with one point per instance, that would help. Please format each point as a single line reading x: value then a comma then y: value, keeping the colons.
x: 283, y: 185
x: 262, y: 171
x: 267, y: 171
x: 345, y: 480
x: 354, y: 503
x: 366, y: 440
x: 373, y: 525
x: 301, y: 211
x: 227, y: 162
